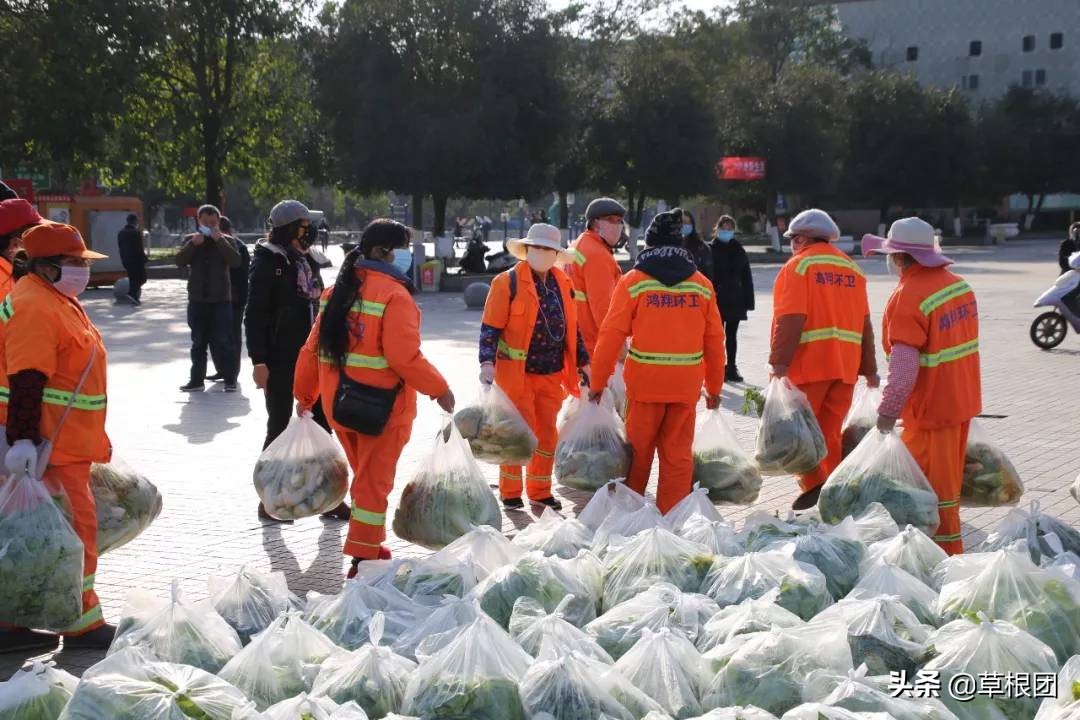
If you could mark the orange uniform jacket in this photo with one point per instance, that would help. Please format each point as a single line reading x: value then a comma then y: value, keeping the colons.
x: 517, y: 319
x: 935, y: 312
x: 595, y: 275
x: 826, y: 286
x: 46, y: 331
x: 7, y: 282
x: 678, y: 339
x: 384, y: 350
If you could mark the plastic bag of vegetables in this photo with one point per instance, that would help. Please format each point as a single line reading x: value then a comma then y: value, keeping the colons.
x: 976, y: 647
x: 875, y: 524
x: 720, y: 465
x: 661, y: 606
x: 750, y: 616
x: 858, y: 692
x: 302, y: 707
x: 654, y: 556
x: 912, y: 551
x: 1067, y: 563
x: 880, y: 469
x: 41, y: 557
x: 542, y: 579
x: 861, y: 418
x: 447, y: 497
x: 251, y: 600
x: 302, y: 473
x: 668, y: 668
x: 696, y: 503
x: 475, y: 677
x: 883, y: 634
x: 374, y: 677
x: 768, y: 668
x: 1066, y: 706
x: 175, y: 630
x: 592, y: 450
x: 821, y: 711
x: 617, y: 387
x: 719, y: 537
x: 613, y: 498
x: 1006, y: 585
x: 881, y: 578
x: 132, y: 686
x: 571, y: 686
x: 126, y: 503
x: 618, y: 528
x: 38, y: 692
x: 990, y: 480
x: 346, y: 616
x: 836, y: 556
x: 458, y: 567
x: 555, y: 535
x: 737, y: 712
x: 277, y: 664
x: 1044, y: 533
x: 789, y: 439
x: 496, y: 430
x: 435, y: 629
x: 532, y: 626
x: 803, y: 589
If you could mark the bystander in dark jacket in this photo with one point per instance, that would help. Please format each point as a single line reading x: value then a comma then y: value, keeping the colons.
x: 734, y: 284
x: 129, y: 242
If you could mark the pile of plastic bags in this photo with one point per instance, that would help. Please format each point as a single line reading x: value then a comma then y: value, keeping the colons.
x: 496, y: 431
x: 789, y: 439
x: 126, y: 504
x: 302, y: 473
x: 592, y: 447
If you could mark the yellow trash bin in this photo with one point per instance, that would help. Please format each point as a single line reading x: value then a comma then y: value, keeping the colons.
x: 431, y: 276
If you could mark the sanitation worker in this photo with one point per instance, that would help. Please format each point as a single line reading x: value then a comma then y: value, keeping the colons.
x: 16, y: 217
x: 594, y: 271
x: 668, y: 311
x: 55, y: 367
x: 369, y: 332
x: 931, y: 335
x: 530, y: 346
x: 822, y: 338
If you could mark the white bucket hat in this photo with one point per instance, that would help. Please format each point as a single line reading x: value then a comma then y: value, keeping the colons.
x: 544, y: 236
x: 814, y: 223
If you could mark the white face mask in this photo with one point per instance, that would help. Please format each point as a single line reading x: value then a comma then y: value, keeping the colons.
x: 895, y: 268
x: 73, y: 280
x: 540, y: 260
x: 610, y: 232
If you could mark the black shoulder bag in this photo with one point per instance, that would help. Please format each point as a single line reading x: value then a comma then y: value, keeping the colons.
x: 363, y: 408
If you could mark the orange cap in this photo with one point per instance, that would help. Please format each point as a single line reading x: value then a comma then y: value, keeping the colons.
x: 50, y: 238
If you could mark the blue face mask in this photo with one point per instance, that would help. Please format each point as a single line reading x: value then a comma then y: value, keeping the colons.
x: 725, y: 235
x: 687, y: 229
x: 403, y: 260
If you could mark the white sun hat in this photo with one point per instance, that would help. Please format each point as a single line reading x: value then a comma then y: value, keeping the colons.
x: 814, y: 223
x: 544, y: 236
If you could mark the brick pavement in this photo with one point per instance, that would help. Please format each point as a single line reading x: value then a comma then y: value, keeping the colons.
x: 200, y: 449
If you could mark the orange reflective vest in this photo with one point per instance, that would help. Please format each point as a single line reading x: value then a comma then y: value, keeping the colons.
x: 7, y: 282
x: 384, y: 349
x: 594, y: 274
x: 516, y: 318
x: 826, y: 286
x: 677, y: 339
x: 935, y: 312
x: 47, y: 331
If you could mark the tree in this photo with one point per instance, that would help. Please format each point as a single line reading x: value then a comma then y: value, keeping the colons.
x: 440, y: 97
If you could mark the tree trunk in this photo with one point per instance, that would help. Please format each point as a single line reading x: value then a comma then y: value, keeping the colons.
x: 564, y: 210
x: 211, y: 133
x: 438, y: 201
x: 639, y: 210
x: 418, y: 212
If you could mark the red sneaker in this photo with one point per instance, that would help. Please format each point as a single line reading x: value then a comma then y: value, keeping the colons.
x: 354, y: 566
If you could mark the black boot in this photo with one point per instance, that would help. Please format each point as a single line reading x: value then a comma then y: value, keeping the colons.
x: 513, y: 503
x: 23, y: 639
x: 731, y: 374
x: 341, y: 512
x: 99, y: 639
x: 548, y: 502
x: 807, y: 500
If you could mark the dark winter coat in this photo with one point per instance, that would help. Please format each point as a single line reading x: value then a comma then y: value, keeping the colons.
x: 277, y: 320
x: 209, y: 263
x: 702, y: 255
x: 129, y: 243
x: 733, y: 280
x: 238, y: 276
x: 1067, y: 247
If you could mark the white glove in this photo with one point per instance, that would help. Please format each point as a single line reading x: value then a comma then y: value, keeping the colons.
x: 22, y: 458
x: 487, y: 373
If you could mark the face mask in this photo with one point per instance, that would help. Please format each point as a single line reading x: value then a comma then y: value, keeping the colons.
x: 895, y: 268
x: 687, y: 229
x: 403, y: 260
x: 610, y: 232
x: 73, y: 280
x: 540, y: 260
x: 725, y: 235
x: 205, y: 230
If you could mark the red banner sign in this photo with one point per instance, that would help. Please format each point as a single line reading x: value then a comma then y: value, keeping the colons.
x: 741, y: 168
x: 23, y: 186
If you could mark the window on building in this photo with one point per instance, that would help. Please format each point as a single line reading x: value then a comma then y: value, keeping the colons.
x: 913, y: 53
x: 1040, y: 77
x: 975, y: 48
x: 1057, y: 41
x: 1029, y: 43
x: 1025, y: 78
x: 973, y: 82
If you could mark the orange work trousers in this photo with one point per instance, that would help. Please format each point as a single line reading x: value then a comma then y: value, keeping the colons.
x: 75, y: 479
x: 373, y: 459
x: 940, y: 453
x: 539, y: 403
x: 669, y: 429
x: 830, y: 400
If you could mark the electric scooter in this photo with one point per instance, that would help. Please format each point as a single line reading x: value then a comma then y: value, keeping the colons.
x: 1049, y: 329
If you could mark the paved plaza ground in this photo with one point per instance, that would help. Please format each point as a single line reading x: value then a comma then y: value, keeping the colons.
x: 200, y: 449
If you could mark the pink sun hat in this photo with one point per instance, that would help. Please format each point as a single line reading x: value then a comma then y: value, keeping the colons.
x: 908, y: 235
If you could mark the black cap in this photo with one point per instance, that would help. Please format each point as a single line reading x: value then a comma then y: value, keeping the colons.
x: 665, y: 229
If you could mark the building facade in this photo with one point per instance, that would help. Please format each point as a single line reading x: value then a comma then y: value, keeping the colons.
x: 982, y: 47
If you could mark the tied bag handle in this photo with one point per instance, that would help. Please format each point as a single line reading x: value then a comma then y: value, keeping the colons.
x: 45, y: 451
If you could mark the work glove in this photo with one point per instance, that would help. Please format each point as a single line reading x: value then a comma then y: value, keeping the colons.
x: 487, y: 373
x: 22, y: 458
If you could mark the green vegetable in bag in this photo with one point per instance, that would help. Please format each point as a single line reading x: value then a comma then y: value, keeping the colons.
x: 789, y: 438
x: 126, y: 504
x: 990, y: 480
x: 496, y: 430
x: 38, y: 692
x: 720, y: 465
